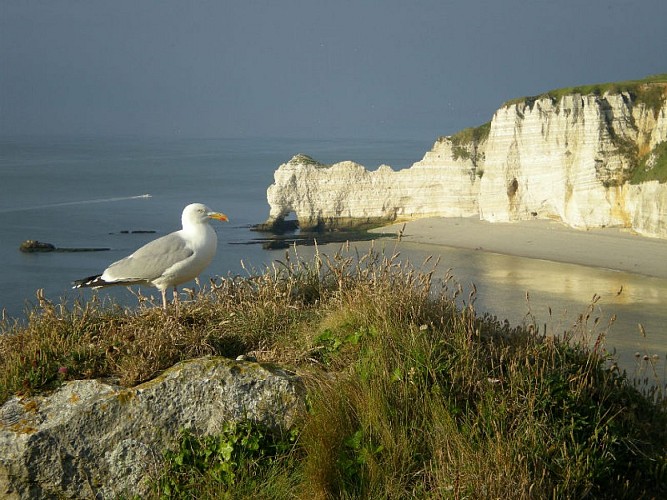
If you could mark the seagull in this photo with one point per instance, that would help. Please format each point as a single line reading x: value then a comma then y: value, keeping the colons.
x: 168, y: 261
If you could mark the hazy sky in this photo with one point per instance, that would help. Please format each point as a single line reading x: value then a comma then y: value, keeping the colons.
x: 306, y: 68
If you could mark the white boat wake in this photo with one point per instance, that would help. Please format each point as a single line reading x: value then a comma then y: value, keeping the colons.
x: 80, y: 202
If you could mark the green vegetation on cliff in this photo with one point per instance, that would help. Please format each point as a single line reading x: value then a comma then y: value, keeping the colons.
x: 641, y: 91
x: 412, y: 394
x: 651, y: 92
x: 472, y: 134
x: 652, y: 167
x: 465, y: 142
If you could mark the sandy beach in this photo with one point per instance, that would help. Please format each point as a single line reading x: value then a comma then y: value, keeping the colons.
x: 609, y: 248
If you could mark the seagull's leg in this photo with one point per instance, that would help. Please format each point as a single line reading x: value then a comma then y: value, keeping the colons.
x: 164, y: 298
x: 176, y: 301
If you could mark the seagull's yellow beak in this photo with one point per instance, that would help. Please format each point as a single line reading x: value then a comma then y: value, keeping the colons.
x: 218, y: 216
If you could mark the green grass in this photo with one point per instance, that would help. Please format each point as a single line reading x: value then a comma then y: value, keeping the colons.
x: 464, y: 139
x: 473, y: 134
x: 641, y: 90
x: 243, y: 458
x: 652, y: 167
x: 651, y: 92
x: 412, y: 394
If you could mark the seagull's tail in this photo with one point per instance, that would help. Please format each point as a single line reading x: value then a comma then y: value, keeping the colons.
x: 96, y: 281
x: 90, y: 281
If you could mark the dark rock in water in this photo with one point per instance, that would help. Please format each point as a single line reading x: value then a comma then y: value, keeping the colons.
x: 279, y: 226
x: 287, y: 233
x: 29, y: 246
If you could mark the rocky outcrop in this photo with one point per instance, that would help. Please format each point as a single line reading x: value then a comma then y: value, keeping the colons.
x: 346, y: 194
x: 90, y: 439
x: 33, y: 246
x: 568, y: 158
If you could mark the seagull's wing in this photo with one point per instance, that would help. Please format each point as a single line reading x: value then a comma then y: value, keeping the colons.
x: 150, y: 261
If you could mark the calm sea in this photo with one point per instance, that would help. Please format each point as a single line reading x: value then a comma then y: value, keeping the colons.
x: 95, y: 192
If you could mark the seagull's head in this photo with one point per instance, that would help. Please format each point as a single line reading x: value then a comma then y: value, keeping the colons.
x: 198, y: 213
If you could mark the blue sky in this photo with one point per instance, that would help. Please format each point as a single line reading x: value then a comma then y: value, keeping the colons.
x: 385, y: 69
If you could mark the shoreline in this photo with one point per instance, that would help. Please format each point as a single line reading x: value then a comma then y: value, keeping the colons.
x: 608, y: 248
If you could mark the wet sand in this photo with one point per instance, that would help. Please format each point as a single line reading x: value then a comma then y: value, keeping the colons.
x: 610, y: 248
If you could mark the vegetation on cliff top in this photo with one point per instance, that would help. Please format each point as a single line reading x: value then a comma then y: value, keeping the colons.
x: 651, y: 92
x: 643, y: 91
x: 471, y: 135
x: 465, y: 142
x: 412, y: 394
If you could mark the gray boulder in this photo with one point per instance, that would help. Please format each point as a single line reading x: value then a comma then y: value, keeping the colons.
x: 90, y: 439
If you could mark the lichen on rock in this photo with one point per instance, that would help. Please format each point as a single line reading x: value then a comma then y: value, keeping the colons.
x: 91, y: 439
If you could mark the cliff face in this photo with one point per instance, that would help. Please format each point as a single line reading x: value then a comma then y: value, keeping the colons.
x: 567, y: 158
x: 570, y: 160
x: 346, y: 194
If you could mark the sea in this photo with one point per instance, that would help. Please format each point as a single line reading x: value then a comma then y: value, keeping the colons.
x: 119, y: 193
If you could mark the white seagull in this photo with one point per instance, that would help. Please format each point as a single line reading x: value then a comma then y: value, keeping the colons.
x: 167, y: 261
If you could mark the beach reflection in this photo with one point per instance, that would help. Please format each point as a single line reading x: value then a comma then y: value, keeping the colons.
x: 554, y: 296
x: 572, y: 281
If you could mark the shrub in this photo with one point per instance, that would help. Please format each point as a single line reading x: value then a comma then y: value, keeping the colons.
x: 412, y: 394
x: 652, y: 167
x: 236, y: 462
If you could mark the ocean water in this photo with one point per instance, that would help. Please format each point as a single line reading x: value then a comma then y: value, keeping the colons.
x: 90, y: 192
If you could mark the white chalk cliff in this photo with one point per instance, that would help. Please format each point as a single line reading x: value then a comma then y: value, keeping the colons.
x: 568, y: 158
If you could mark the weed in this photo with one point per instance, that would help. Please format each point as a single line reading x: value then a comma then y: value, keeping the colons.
x: 653, y: 96
x: 411, y: 393
x: 653, y: 166
x: 222, y: 465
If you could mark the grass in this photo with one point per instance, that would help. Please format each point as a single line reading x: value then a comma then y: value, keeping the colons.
x: 465, y: 142
x: 472, y: 134
x: 651, y: 92
x: 643, y: 91
x: 412, y: 394
x: 652, y: 167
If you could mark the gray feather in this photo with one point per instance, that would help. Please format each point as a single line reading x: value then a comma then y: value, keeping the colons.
x: 151, y: 260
